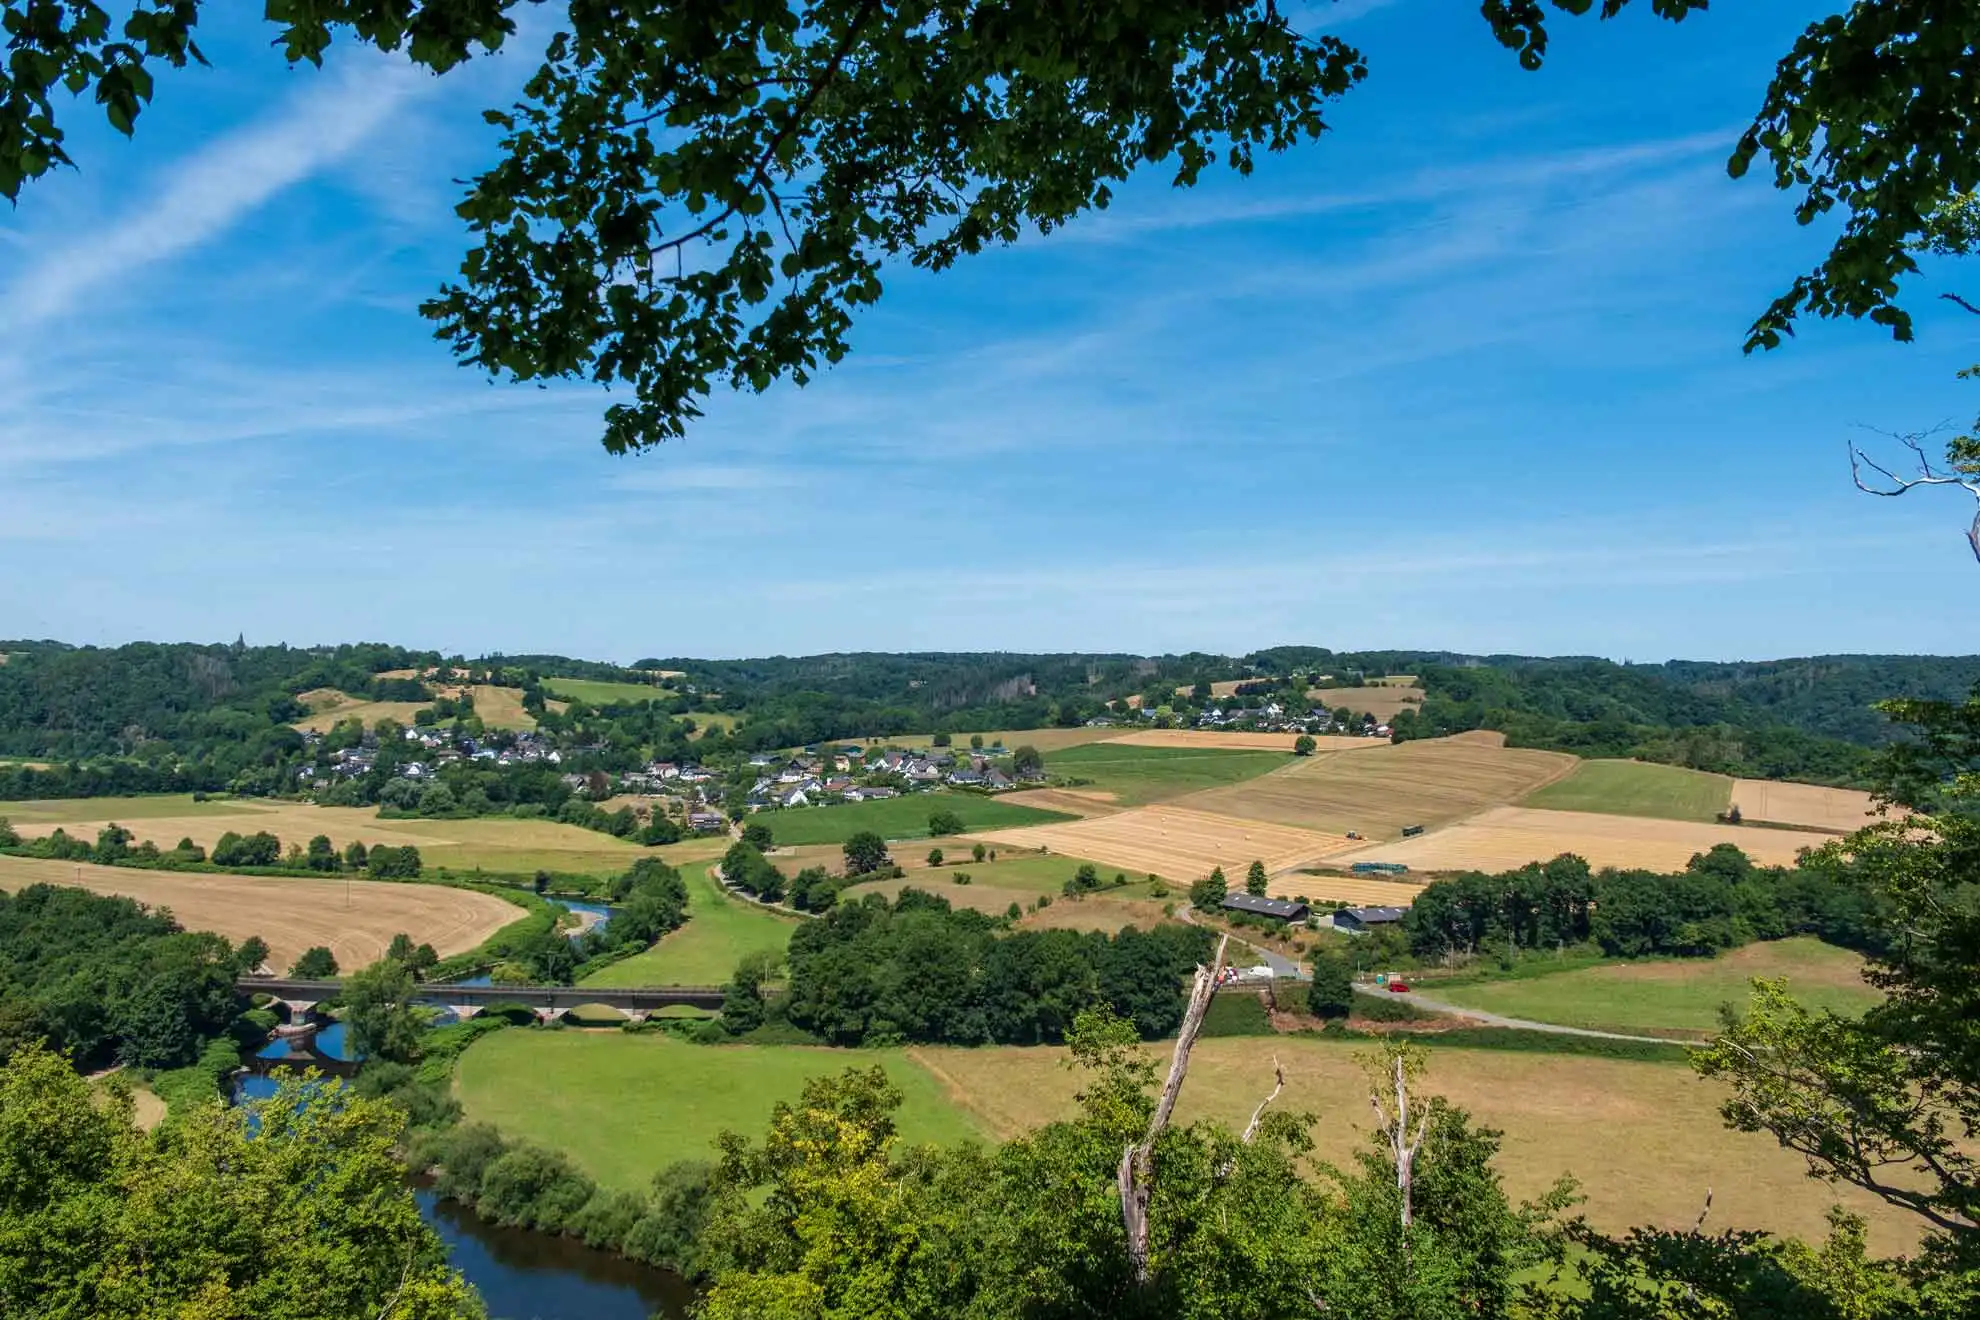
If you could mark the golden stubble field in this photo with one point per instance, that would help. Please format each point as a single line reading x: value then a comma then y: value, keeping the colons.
x: 1384, y: 702
x: 1377, y: 792
x: 356, y: 920
x: 1508, y: 837
x: 1644, y: 1139
x: 489, y: 843
x: 1174, y: 842
x: 1360, y: 891
x: 497, y: 707
x: 1235, y: 740
x: 1844, y: 810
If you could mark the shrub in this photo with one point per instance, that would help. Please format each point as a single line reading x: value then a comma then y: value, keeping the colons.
x: 531, y: 1187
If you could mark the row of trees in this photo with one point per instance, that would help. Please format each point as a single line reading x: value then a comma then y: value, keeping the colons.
x: 117, y: 846
x: 1721, y: 900
x: 915, y: 969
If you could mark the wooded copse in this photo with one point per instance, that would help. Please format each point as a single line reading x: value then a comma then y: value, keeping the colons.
x: 873, y: 972
x: 1720, y: 901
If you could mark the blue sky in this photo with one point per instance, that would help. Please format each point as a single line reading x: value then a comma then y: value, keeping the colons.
x: 1467, y: 374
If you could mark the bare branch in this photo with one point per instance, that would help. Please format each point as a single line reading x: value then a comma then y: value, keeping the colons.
x: 1136, y: 1175
x: 1258, y: 1114
x: 1699, y: 1227
x: 1928, y: 475
x: 1959, y: 301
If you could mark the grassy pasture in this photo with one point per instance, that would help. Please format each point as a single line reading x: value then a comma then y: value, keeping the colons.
x: 600, y: 692
x: 720, y: 931
x: 1045, y: 740
x: 904, y: 817
x: 624, y: 1107
x: 1636, y: 788
x: 1378, y: 791
x: 994, y: 886
x: 151, y: 806
x: 1139, y: 775
x: 704, y: 720
x: 501, y: 707
x: 1644, y: 1138
x: 1679, y: 996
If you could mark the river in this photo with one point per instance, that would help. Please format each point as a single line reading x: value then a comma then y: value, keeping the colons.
x: 521, y: 1274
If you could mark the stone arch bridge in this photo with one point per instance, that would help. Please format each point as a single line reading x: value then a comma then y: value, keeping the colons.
x: 466, y: 1001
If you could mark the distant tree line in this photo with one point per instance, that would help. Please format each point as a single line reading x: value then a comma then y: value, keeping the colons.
x: 261, y: 851
x: 871, y: 972
x: 181, y: 718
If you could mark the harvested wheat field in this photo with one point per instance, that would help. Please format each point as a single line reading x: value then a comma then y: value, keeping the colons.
x: 1237, y: 741
x: 1359, y: 891
x: 1223, y: 687
x: 356, y: 920
x: 1842, y: 810
x: 1173, y: 842
x: 488, y: 843
x: 1383, y: 702
x: 1378, y: 791
x: 1508, y: 837
x: 1072, y: 801
x: 1645, y: 1139
x: 329, y: 708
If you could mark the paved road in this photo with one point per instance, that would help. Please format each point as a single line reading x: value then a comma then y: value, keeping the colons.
x: 1495, y: 1020
x: 1283, y: 968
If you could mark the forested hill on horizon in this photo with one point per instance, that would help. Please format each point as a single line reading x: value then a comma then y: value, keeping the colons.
x: 225, y: 710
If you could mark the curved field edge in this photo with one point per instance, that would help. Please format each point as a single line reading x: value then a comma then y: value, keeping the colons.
x: 355, y: 919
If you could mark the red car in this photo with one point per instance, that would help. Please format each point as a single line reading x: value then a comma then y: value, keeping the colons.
x: 1398, y: 987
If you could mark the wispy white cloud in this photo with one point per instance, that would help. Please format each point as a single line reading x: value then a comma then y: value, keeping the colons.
x: 213, y: 189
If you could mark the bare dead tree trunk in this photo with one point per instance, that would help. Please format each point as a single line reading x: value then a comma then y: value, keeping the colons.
x: 1404, y: 1142
x: 1137, y: 1175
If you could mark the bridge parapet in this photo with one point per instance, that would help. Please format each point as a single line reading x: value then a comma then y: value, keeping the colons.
x: 467, y: 1000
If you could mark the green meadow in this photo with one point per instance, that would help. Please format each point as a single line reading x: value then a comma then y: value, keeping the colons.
x: 602, y: 692
x: 626, y: 1106
x: 1138, y: 775
x: 904, y: 817
x: 720, y: 931
x: 1670, y: 995
x: 1636, y: 788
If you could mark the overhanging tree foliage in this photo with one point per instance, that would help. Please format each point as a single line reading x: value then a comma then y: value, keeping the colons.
x: 693, y: 195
